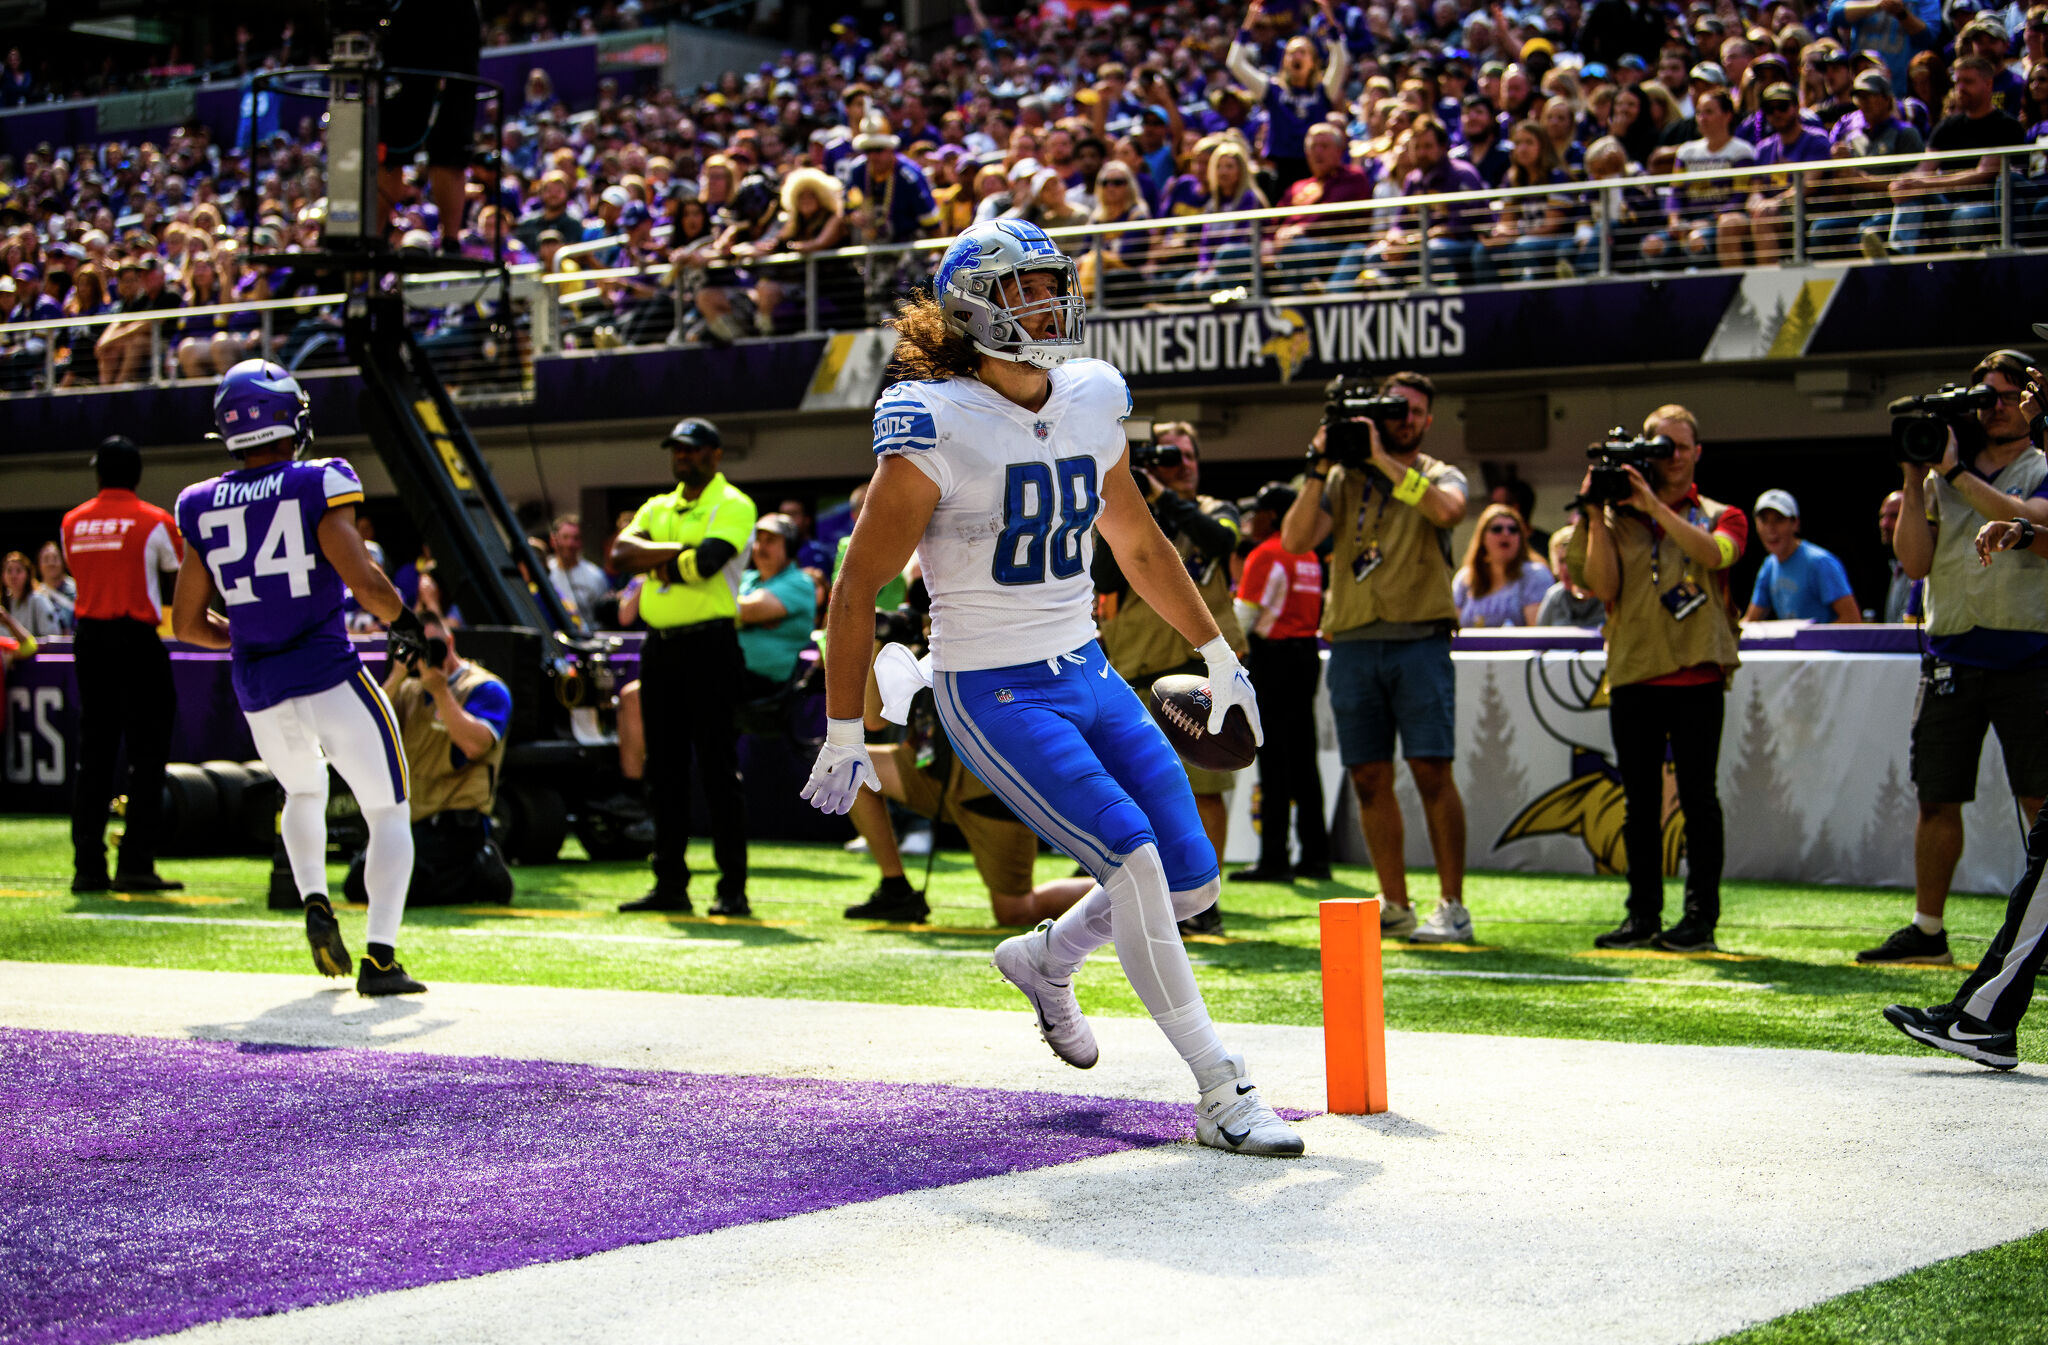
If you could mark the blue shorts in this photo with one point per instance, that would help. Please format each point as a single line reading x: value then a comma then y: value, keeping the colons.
x: 1380, y: 686
x: 1076, y: 756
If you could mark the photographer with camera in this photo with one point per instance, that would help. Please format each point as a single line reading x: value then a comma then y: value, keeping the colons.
x: 1388, y: 509
x: 1657, y: 552
x: 1966, y: 459
x: 1138, y: 642
x: 452, y: 717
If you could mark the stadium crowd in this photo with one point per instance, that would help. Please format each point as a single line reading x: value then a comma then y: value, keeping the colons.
x: 1102, y: 115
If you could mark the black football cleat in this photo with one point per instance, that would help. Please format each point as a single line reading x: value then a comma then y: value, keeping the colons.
x: 88, y: 884
x: 1946, y: 1028
x: 1911, y: 946
x: 1262, y: 873
x: 385, y: 978
x: 895, y: 902
x: 330, y: 954
x: 658, y: 900
x: 146, y: 882
x: 736, y: 908
x: 1687, y: 936
x: 1632, y: 932
x: 1209, y: 921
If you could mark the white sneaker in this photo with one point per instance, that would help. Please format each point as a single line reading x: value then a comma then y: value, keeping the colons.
x: 1450, y: 922
x: 857, y: 846
x: 1232, y: 1116
x: 1395, y: 920
x: 915, y: 843
x: 1060, y: 1021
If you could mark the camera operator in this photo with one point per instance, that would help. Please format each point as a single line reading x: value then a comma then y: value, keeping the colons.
x: 1389, y: 511
x: 452, y: 716
x: 1987, y: 631
x: 1659, y: 559
x: 1139, y: 643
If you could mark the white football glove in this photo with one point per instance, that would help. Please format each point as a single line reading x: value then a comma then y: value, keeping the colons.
x: 1230, y: 684
x: 842, y: 768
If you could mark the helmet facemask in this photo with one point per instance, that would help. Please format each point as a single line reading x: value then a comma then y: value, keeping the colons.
x: 995, y: 320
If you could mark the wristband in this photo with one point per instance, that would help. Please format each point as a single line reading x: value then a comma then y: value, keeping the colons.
x: 2026, y: 534
x: 1952, y: 473
x: 1726, y: 546
x: 845, y: 732
x: 1412, y: 488
x: 1313, y: 475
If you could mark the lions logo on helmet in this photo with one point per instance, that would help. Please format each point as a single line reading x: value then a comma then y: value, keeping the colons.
x: 258, y: 403
x: 979, y: 285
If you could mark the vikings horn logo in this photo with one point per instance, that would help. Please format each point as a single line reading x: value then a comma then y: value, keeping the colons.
x: 1290, y: 346
x: 1588, y: 805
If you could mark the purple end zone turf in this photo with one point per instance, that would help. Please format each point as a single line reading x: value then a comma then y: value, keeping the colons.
x: 147, y: 1185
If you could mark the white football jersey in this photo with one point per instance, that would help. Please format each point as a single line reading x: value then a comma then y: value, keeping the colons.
x: 1006, y: 554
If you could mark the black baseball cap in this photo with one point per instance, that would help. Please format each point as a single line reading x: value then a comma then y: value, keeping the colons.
x: 1275, y: 497
x: 694, y: 431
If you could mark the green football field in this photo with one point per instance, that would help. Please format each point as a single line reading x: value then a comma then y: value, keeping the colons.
x: 1786, y: 977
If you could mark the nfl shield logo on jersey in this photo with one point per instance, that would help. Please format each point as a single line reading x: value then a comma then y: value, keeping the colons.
x: 1041, y: 429
x: 1003, y: 696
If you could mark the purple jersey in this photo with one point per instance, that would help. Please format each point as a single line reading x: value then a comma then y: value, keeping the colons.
x: 257, y: 529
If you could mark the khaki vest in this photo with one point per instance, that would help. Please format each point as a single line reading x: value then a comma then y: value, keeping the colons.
x: 1140, y: 644
x: 438, y: 785
x: 1412, y: 583
x: 1643, y: 641
x: 2009, y: 594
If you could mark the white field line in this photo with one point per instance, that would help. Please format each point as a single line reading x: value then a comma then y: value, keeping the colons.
x: 289, y: 928
x: 184, y: 920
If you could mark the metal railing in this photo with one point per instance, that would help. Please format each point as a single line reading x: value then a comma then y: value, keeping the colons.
x: 1564, y: 233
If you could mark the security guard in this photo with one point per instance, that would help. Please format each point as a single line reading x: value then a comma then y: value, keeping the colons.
x: 1139, y: 643
x: 692, y: 543
x: 452, y: 715
x: 117, y: 546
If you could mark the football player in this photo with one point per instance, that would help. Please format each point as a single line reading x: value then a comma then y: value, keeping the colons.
x: 997, y: 462
x: 276, y: 539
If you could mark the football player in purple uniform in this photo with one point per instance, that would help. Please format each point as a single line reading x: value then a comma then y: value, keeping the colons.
x: 276, y: 540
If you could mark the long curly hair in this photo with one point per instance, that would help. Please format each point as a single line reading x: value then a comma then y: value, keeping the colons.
x: 926, y: 347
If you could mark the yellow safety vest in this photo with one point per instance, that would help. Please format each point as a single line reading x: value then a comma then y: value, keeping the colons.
x: 721, y: 512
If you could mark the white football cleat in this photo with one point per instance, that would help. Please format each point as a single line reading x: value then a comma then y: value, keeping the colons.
x: 1232, y: 1116
x: 1450, y: 922
x: 1060, y: 1021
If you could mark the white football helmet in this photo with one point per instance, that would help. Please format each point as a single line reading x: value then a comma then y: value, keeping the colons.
x: 979, y: 277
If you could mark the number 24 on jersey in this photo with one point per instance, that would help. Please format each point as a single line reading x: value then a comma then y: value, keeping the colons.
x: 282, y: 552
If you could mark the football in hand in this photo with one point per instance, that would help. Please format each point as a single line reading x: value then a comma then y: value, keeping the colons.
x: 1181, y: 705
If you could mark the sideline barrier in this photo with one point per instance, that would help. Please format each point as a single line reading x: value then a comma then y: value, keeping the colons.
x: 1354, y: 1007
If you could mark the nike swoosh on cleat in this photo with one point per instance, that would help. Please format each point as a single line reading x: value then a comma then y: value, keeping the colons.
x: 1244, y: 1088
x: 1957, y: 1034
x: 1237, y: 1139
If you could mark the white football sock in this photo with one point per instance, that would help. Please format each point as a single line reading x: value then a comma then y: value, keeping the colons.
x: 1077, y: 932
x: 1927, y: 924
x: 1156, y: 963
x: 387, y: 869
x: 304, y: 828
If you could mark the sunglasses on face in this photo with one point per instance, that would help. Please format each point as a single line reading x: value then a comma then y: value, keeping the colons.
x: 1503, y: 530
x: 1775, y: 108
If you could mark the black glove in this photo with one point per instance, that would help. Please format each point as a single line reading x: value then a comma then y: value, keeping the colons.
x: 407, y: 641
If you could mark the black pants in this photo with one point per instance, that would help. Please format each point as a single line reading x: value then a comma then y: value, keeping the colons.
x: 1644, y: 719
x: 454, y: 863
x: 1284, y: 674
x: 690, y: 682
x: 125, y: 698
x: 2004, y: 981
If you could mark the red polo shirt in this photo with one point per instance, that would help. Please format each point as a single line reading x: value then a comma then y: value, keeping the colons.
x: 116, y: 544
